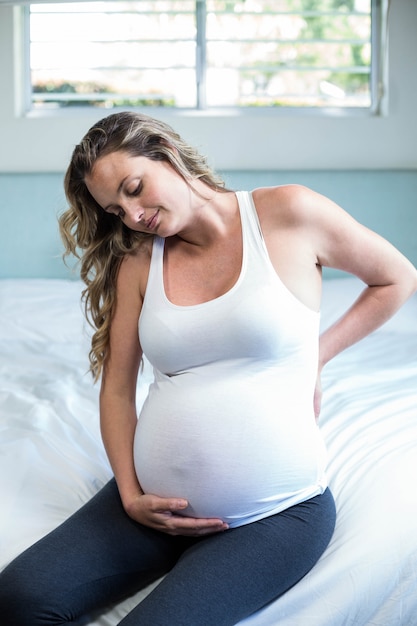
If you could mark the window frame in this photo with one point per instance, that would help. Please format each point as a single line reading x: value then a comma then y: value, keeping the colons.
x: 378, y: 78
x: 254, y: 146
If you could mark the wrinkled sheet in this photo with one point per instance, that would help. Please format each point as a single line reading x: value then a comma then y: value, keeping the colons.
x: 52, y: 459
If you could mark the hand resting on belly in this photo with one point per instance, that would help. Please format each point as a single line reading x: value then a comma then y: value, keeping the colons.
x: 164, y: 515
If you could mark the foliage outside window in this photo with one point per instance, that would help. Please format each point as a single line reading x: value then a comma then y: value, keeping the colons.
x: 198, y: 54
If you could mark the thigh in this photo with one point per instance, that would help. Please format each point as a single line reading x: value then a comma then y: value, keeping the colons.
x: 98, y: 556
x: 224, y: 578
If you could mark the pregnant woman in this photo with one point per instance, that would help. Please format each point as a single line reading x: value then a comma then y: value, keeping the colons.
x: 220, y: 481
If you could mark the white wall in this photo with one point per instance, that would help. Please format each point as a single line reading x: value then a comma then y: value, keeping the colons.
x: 261, y: 141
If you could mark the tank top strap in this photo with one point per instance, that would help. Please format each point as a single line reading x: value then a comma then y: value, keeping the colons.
x: 155, y: 285
x: 251, y: 227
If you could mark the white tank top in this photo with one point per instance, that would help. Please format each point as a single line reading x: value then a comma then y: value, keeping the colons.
x: 228, y: 423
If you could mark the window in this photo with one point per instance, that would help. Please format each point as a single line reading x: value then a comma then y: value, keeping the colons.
x: 198, y: 54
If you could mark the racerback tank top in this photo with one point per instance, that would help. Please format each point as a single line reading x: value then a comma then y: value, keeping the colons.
x: 228, y: 423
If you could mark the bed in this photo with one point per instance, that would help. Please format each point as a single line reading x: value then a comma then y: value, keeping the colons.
x: 52, y: 459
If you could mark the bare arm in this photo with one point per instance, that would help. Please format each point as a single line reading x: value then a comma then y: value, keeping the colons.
x: 389, y: 277
x: 118, y: 386
x: 118, y: 417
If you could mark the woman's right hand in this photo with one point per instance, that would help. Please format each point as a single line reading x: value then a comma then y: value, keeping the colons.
x: 164, y: 515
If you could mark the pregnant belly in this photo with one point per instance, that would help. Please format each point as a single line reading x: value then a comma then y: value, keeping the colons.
x: 230, y: 454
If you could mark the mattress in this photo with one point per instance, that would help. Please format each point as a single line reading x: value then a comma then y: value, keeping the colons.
x: 52, y: 459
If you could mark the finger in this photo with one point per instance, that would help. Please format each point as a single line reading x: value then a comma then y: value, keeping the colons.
x: 162, y: 505
x: 196, y: 526
x: 200, y: 531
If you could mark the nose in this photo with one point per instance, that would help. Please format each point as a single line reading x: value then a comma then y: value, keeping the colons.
x: 133, y: 212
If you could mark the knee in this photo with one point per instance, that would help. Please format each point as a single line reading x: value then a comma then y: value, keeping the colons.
x: 22, y: 600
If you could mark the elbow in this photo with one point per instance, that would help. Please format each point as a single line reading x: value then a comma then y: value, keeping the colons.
x: 408, y: 280
x: 413, y: 279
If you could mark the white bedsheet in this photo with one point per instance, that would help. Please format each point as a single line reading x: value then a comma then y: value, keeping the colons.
x: 52, y: 459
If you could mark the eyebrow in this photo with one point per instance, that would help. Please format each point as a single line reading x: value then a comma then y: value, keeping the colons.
x: 110, y: 206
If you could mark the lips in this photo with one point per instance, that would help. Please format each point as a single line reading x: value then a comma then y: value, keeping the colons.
x: 151, y: 223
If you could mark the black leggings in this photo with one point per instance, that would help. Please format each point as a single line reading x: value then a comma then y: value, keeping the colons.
x: 100, y: 556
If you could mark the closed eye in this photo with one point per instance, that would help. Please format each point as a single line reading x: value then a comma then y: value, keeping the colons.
x: 137, y: 191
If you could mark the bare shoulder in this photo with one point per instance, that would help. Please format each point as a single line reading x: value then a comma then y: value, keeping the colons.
x: 332, y: 234
x: 286, y: 205
x: 281, y: 193
x: 125, y: 350
x: 311, y: 217
x: 134, y: 270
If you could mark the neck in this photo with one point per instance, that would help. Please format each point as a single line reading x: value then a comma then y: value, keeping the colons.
x: 215, y: 219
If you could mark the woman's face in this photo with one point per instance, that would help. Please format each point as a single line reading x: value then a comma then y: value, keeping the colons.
x: 148, y: 196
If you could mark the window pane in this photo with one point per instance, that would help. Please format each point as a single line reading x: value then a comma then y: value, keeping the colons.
x: 114, y: 53
x: 198, y: 53
x: 284, y: 52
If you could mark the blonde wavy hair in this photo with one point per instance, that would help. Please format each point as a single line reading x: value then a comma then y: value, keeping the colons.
x: 100, y: 240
